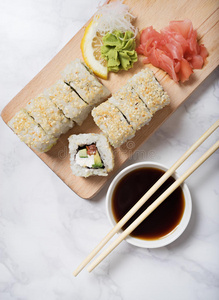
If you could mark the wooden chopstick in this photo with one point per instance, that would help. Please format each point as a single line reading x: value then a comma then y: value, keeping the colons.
x: 149, y: 193
x: 153, y: 206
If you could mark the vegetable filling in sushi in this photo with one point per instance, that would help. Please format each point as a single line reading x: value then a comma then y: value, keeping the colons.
x: 89, y: 157
x: 90, y: 154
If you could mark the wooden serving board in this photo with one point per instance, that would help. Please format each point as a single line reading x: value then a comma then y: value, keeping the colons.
x: 204, y: 16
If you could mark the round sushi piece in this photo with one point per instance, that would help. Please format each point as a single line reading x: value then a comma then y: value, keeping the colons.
x: 67, y: 100
x: 90, y: 154
x: 83, y: 81
x: 112, y: 123
x: 48, y: 116
x: 149, y: 90
x: 131, y: 106
x: 30, y: 132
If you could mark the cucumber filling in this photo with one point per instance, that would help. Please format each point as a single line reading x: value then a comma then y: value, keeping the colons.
x: 89, y: 157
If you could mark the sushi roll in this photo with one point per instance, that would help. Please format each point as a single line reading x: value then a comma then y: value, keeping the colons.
x: 149, y: 90
x: 131, y: 106
x: 48, y: 116
x: 90, y: 154
x: 113, y: 123
x: 30, y: 132
x: 67, y: 100
x: 87, y: 86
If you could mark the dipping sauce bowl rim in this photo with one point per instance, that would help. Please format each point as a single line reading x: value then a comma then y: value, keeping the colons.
x: 174, y: 234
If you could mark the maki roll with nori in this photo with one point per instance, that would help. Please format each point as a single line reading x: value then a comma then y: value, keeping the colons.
x: 90, y: 154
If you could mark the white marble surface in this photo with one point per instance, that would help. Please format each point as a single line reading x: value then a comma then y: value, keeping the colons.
x: 46, y: 230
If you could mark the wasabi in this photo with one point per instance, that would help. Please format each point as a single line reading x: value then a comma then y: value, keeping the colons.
x: 119, y: 50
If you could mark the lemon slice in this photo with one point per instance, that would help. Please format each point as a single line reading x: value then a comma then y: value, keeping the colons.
x: 91, y: 51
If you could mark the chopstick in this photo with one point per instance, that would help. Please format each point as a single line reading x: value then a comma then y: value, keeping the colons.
x: 134, y: 209
x: 153, y: 206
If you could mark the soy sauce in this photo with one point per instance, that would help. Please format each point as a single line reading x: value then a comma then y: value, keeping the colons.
x: 163, y: 219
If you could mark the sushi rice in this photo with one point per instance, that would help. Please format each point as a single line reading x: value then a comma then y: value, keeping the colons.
x: 54, y: 112
x: 149, y: 90
x: 82, y: 80
x: 67, y: 100
x: 130, y: 108
x: 113, y: 123
x: 30, y: 132
x: 103, y: 147
x: 48, y: 116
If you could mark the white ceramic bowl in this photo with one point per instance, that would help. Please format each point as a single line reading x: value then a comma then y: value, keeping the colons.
x: 173, y: 235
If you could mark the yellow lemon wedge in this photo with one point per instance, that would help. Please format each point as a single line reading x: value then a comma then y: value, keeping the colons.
x: 91, y: 51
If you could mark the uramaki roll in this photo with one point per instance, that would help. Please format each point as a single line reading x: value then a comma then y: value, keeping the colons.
x: 30, y: 132
x: 113, y: 123
x: 48, y: 116
x: 131, y: 106
x: 149, y: 90
x: 85, y: 83
x: 90, y: 154
x: 67, y: 100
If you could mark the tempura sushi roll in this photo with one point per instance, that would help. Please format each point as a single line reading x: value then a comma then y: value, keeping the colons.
x: 30, y: 132
x: 131, y: 106
x: 48, y: 116
x: 90, y: 154
x: 149, y: 90
x: 113, y: 124
x: 88, y: 87
x: 67, y: 100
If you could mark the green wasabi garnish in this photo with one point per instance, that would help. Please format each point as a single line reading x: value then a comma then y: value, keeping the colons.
x: 119, y: 50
